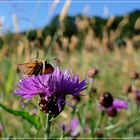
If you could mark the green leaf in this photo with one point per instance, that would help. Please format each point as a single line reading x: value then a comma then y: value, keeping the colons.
x: 10, y: 79
x: 25, y: 115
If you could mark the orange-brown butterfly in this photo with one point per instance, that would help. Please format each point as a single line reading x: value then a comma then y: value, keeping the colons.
x: 35, y: 68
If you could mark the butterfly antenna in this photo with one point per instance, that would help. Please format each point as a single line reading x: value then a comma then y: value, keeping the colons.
x: 43, y: 66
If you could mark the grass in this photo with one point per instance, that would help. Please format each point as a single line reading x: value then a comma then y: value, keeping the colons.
x: 111, y: 78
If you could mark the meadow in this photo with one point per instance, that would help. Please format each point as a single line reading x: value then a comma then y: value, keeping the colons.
x: 110, y: 68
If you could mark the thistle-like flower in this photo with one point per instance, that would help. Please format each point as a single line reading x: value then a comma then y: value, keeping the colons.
x: 52, y: 90
x: 116, y: 106
x: 111, y: 105
x: 74, y: 127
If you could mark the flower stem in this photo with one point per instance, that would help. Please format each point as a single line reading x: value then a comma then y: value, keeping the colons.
x: 99, y: 121
x: 48, y: 125
x: 49, y: 51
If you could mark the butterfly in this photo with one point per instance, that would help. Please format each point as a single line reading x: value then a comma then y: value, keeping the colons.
x: 35, y: 68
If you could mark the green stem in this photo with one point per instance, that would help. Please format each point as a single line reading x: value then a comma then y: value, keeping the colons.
x: 49, y: 51
x: 99, y: 121
x: 48, y: 125
x: 80, y: 119
x: 62, y: 136
x: 2, y: 122
x: 41, y: 120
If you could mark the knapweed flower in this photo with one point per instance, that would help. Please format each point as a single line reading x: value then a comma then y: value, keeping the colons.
x: 74, y: 127
x: 111, y: 105
x: 52, y: 89
x: 120, y: 104
x: 116, y: 106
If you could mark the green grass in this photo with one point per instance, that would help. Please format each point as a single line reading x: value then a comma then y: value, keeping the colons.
x: 111, y: 78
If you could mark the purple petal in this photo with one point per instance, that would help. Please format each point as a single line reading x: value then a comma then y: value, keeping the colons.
x: 120, y: 104
x: 74, y: 124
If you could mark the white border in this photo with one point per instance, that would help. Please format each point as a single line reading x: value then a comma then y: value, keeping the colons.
x: 73, y: 1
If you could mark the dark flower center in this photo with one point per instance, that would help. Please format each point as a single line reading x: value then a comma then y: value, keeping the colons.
x: 53, y: 105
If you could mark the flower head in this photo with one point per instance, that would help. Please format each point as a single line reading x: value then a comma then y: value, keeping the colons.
x: 74, y: 124
x: 111, y: 105
x: 120, y: 104
x: 52, y: 89
x: 106, y: 99
x: 116, y: 106
x: 74, y: 127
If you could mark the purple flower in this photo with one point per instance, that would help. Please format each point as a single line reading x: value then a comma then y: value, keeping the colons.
x: 120, y: 104
x: 52, y: 89
x: 116, y: 106
x: 111, y: 105
x: 74, y: 124
x: 74, y: 127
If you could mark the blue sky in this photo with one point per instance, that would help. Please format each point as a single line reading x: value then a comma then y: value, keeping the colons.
x: 36, y: 14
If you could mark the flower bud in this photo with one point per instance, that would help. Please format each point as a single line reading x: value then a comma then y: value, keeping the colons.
x: 127, y: 89
x: 93, y: 72
x: 112, y: 112
x: 134, y: 75
x: 106, y: 100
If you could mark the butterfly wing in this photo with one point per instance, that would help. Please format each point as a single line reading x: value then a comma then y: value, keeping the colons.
x: 30, y: 68
x: 48, y: 69
x: 38, y: 70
